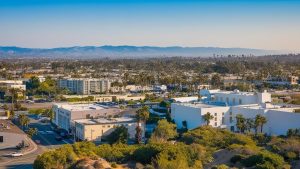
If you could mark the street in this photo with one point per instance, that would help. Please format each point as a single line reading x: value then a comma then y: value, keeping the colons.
x: 45, y: 139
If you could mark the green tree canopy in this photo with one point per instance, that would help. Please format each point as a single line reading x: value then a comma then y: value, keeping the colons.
x: 164, y: 131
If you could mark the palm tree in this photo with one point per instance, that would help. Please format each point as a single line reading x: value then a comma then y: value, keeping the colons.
x: 249, y: 124
x: 263, y: 121
x: 142, y: 115
x: 207, y: 117
x: 23, y: 120
x: 259, y: 122
x: 240, y: 123
x: 32, y: 131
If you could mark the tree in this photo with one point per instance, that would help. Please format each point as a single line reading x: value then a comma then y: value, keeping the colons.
x: 216, y: 80
x: 23, y: 120
x: 260, y: 121
x: 142, y: 115
x: 207, y: 117
x: 33, y: 83
x: 241, y: 123
x: 164, y: 131
x: 249, y: 124
x: 32, y: 131
x: 49, y: 113
x: 119, y: 135
x: 138, y: 134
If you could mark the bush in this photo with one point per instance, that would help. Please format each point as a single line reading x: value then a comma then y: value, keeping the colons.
x: 146, y: 153
x: 113, y: 165
x: 260, y: 159
x: 291, y: 155
x: 266, y: 165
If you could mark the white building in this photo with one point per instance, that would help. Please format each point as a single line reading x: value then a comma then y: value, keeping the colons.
x: 224, y: 106
x: 236, y: 97
x: 97, y: 129
x: 85, y: 85
x: 8, y: 84
x: 65, y: 114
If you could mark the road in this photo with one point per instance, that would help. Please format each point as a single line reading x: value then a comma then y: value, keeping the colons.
x: 45, y: 136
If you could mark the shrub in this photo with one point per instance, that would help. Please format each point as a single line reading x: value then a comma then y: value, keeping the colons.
x: 266, y: 165
x: 260, y: 159
x: 290, y: 155
x: 146, y: 153
x: 113, y: 165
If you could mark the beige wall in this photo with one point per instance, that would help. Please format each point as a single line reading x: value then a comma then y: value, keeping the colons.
x: 97, y: 131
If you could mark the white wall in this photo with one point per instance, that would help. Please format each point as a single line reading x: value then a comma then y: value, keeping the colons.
x: 279, y: 122
x: 193, y: 115
x: 182, y: 113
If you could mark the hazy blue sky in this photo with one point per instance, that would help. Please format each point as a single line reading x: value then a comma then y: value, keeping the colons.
x: 267, y: 24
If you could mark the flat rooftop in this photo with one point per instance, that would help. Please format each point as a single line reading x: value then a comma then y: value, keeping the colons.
x: 199, y: 105
x: 235, y: 93
x: 272, y: 107
x: 82, y: 107
x: 106, y: 120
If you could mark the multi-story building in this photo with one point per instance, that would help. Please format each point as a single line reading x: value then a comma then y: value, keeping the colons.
x: 6, y: 85
x: 225, y: 106
x: 85, y: 85
x: 65, y: 114
x: 98, y: 129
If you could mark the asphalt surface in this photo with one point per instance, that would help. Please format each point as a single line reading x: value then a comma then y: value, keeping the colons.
x: 46, y: 140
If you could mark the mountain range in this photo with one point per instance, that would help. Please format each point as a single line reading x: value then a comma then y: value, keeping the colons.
x: 89, y: 52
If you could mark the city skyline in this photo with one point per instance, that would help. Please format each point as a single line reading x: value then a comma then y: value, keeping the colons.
x: 266, y: 24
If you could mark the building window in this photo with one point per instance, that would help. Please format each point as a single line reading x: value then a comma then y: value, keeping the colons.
x: 227, y: 100
x: 223, y: 113
x: 233, y: 101
x: 216, y: 124
x: 230, y: 119
x: 216, y: 114
x: 240, y: 101
x: 223, y: 120
x: 230, y: 113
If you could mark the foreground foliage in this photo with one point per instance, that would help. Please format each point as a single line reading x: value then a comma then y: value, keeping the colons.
x: 194, y: 149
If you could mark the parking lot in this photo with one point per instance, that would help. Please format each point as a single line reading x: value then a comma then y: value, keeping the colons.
x: 46, y: 135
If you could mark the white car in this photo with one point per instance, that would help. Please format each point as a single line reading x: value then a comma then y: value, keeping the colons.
x: 16, y: 154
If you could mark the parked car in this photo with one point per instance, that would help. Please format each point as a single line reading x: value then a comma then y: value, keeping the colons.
x: 29, y: 101
x: 15, y: 154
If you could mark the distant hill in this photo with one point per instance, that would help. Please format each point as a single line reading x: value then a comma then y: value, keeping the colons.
x: 86, y: 52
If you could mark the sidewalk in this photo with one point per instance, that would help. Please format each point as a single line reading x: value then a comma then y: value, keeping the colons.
x: 32, y: 146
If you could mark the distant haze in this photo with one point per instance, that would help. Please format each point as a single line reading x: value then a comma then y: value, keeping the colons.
x: 258, y: 24
x: 87, y: 52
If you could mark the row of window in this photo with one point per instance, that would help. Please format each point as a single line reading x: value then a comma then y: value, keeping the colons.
x: 227, y: 100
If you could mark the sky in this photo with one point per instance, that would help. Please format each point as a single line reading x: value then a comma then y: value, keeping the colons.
x: 261, y: 24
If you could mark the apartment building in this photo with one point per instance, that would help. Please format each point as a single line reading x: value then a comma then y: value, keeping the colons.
x: 97, y: 129
x: 65, y: 113
x: 225, y: 106
x: 85, y: 86
x: 5, y: 85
